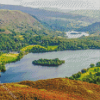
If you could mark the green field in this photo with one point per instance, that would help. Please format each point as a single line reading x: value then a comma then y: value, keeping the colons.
x: 51, y: 47
x: 27, y: 48
x: 8, y: 57
x: 91, y: 75
x: 90, y: 70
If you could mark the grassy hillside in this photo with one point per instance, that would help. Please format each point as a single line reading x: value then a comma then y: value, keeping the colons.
x: 28, y: 48
x: 10, y: 57
x: 50, y: 89
x: 91, y: 75
x: 7, y: 58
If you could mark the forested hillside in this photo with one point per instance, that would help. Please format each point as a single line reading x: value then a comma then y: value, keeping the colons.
x: 88, y: 13
x: 91, y: 29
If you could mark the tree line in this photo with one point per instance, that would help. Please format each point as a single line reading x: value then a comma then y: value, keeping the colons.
x: 10, y: 42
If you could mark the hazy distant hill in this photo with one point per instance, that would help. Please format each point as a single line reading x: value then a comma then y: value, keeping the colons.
x: 92, y: 29
x: 90, y: 13
x: 57, y: 20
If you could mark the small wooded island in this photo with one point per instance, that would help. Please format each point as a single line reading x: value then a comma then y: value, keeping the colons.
x: 48, y: 62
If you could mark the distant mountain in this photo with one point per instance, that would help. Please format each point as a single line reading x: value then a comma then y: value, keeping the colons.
x: 91, y: 29
x: 56, y: 20
x: 89, y: 13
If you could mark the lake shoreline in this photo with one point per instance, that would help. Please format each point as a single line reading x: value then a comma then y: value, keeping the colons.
x: 76, y: 34
x: 74, y: 62
x: 25, y: 53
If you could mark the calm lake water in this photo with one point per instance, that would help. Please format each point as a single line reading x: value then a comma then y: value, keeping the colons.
x: 75, y: 34
x: 25, y: 70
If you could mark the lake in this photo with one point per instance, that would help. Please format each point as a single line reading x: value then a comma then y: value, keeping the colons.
x: 25, y: 70
x: 75, y: 34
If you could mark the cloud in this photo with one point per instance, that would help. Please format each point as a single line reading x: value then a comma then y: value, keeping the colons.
x: 62, y: 4
x: 12, y: 2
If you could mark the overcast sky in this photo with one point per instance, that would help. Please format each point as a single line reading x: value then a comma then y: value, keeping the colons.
x: 62, y: 4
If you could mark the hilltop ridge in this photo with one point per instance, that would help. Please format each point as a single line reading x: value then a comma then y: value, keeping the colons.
x: 92, y: 29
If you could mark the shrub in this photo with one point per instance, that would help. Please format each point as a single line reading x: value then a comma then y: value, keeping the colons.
x: 21, y: 54
x: 37, y: 49
x: 98, y: 64
x: 1, y: 53
x: 84, y: 70
x: 75, y: 76
x: 90, y: 73
x: 66, y: 77
x: 96, y: 69
x: 98, y: 74
x: 2, y: 67
x: 92, y: 65
x: 2, y: 30
x: 71, y: 78
x: 78, y: 74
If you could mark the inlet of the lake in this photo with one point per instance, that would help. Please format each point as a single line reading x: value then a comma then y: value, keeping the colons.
x: 25, y: 70
x: 75, y: 34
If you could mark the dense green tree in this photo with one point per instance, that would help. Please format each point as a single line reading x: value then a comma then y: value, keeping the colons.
x: 21, y: 54
x: 37, y: 49
x: 84, y: 70
x: 48, y: 62
x: 98, y: 64
x: 2, y: 67
x: 92, y: 65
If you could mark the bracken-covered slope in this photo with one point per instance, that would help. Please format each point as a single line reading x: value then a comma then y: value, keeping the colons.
x: 50, y: 89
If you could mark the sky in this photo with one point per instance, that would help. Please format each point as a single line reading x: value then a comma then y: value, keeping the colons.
x: 60, y: 4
